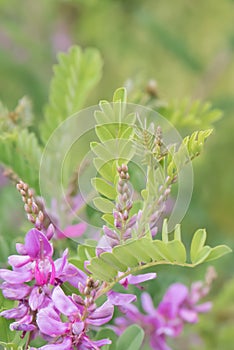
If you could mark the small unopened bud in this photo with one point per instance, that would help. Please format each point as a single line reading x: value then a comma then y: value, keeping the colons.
x: 25, y: 187
x: 96, y: 284
x: 124, y: 168
x: 89, y: 282
x: 23, y: 193
x: 30, y: 192
x: 40, y: 216
x: 122, y: 175
x: 86, y: 291
x: 34, y: 208
x: 81, y: 288
x: 124, y: 197
x: 119, y: 169
x: 31, y: 218
x: 167, y: 192
x: 125, y: 187
x: 125, y: 215
x: 27, y: 208
x: 50, y: 231
x: 77, y: 299
x: 129, y: 205
x: 19, y: 186
x: 29, y: 201
x: 38, y: 224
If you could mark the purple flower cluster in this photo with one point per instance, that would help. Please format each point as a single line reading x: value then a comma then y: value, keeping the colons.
x: 32, y: 277
x: 35, y: 281
x: 178, y: 307
x: 43, y: 308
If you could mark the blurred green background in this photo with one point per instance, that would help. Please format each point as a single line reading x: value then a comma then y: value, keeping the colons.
x: 186, y: 46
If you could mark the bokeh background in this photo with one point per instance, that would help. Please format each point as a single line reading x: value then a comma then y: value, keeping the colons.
x: 188, y: 48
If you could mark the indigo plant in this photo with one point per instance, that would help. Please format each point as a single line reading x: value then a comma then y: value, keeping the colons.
x: 104, y: 190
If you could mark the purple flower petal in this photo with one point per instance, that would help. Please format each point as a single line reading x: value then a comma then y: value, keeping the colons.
x: 63, y: 303
x: 205, y: 307
x: 15, y: 277
x: 15, y: 291
x: 141, y: 278
x: 61, y: 263
x: 23, y: 325
x: 101, y: 315
x: 20, y: 248
x: 36, y: 298
x: 102, y: 342
x: 188, y: 315
x: 66, y: 344
x: 120, y: 298
x: 174, y: 297
x: 147, y: 303
x: 17, y: 312
x: 37, y: 245
x: 50, y: 324
x: 77, y: 327
x: 18, y: 261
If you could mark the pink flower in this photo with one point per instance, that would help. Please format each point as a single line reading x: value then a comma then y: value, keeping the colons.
x: 79, y: 316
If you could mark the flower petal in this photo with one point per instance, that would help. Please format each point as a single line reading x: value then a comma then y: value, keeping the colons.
x: 188, y: 315
x: 17, y: 312
x: 120, y: 299
x: 15, y: 277
x: 37, y: 244
x: 205, y: 307
x: 15, y: 291
x: 49, y: 322
x: 36, y: 298
x: 101, y: 315
x: 66, y: 344
x: 63, y: 303
x: 141, y: 278
x: 77, y: 327
x: 18, y: 260
x: 147, y: 303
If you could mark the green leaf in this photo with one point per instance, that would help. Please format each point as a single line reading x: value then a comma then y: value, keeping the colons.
x: 86, y: 252
x: 76, y: 73
x: 131, y: 339
x: 120, y: 95
x: 114, y: 262
x: 218, y: 252
x: 109, y: 219
x: 104, y: 205
x: 103, y: 133
x: 190, y: 115
x: 105, y: 169
x: 165, y: 231
x: 21, y: 152
x: 104, y: 188
x: 177, y: 250
x: 197, y: 244
x: 202, y: 255
x: 177, y: 233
